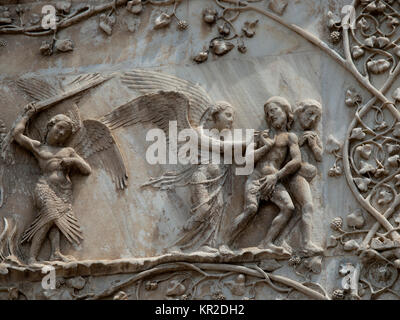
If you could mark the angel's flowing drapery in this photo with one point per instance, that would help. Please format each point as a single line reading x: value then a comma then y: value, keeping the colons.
x: 54, y: 203
x: 208, y: 232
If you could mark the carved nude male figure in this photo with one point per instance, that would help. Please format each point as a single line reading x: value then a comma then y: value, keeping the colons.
x: 53, y: 191
x: 265, y: 183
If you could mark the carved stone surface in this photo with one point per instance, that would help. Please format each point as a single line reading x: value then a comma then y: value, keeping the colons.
x: 100, y: 99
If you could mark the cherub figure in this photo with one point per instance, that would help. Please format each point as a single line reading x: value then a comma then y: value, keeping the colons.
x: 271, y: 169
x: 53, y: 191
x: 61, y: 142
x: 308, y: 115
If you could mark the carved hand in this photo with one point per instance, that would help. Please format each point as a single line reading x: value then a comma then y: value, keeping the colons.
x: 314, y: 141
x: 308, y: 136
x: 67, y: 163
x: 266, y: 140
x: 30, y: 110
x: 269, y: 185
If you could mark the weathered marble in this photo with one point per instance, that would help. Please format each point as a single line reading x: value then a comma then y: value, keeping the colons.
x: 132, y: 234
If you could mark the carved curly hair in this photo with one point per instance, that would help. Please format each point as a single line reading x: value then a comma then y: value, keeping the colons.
x: 220, y: 106
x: 309, y: 103
x: 284, y: 105
x: 58, y: 118
x: 211, y: 113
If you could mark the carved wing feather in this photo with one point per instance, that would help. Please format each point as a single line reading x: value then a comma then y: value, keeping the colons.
x: 151, y: 81
x: 38, y: 89
x: 158, y: 108
x: 95, y: 143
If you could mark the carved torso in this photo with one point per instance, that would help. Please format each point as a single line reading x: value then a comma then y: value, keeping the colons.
x: 272, y: 161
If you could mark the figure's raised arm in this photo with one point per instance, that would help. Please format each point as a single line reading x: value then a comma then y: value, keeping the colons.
x: 18, y: 132
x: 316, y: 147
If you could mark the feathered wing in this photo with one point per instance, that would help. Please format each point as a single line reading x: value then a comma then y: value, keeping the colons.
x: 158, y: 108
x: 39, y: 89
x: 150, y: 81
x: 95, y: 142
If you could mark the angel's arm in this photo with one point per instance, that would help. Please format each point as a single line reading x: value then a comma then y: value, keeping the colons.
x: 260, y: 152
x: 18, y: 132
x: 267, y: 144
x: 77, y: 162
x: 216, y: 144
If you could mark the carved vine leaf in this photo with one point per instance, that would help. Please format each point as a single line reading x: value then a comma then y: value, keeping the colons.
x: 352, y: 98
x: 314, y: 264
x: 331, y: 242
x: 351, y: 245
x: 362, y: 183
x: 357, y: 134
x: 355, y: 219
x: 396, y: 95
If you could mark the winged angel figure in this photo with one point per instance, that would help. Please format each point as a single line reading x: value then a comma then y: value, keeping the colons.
x: 167, y: 98
x: 62, y: 143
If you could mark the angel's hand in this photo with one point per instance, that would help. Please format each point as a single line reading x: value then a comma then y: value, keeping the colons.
x: 67, y: 163
x: 30, y: 109
x: 266, y: 140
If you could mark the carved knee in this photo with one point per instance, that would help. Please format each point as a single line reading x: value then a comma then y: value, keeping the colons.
x: 252, y: 208
x: 308, y: 208
x: 288, y: 212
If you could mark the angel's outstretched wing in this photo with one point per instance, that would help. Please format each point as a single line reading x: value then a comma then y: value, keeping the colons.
x: 158, y: 108
x: 95, y: 142
x: 151, y: 81
x: 39, y: 90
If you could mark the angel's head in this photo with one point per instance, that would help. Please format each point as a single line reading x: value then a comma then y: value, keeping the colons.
x: 59, y: 130
x: 278, y: 113
x: 223, y: 115
x: 309, y: 113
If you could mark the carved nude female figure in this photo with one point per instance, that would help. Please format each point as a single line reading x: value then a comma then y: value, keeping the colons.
x: 53, y: 191
x: 308, y: 115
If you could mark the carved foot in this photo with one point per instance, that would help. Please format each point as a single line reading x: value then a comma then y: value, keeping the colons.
x: 276, y: 249
x: 32, y: 262
x: 173, y: 250
x: 58, y: 256
x: 225, y: 250
x: 312, y: 249
x: 208, y: 249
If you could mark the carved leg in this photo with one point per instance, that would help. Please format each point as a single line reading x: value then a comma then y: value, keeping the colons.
x: 301, y: 191
x: 37, y: 242
x: 56, y: 255
x: 309, y: 246
x: 242, y: 221
x: 281, y: 198
x: 252, y: 199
